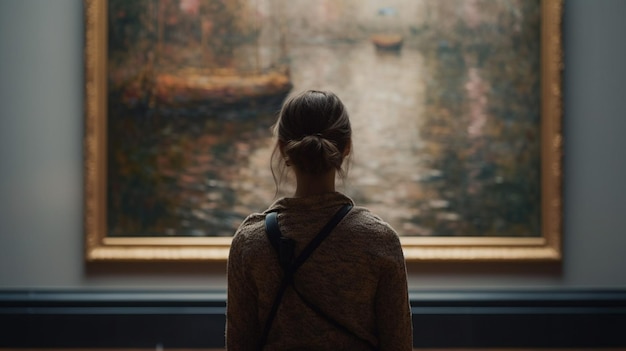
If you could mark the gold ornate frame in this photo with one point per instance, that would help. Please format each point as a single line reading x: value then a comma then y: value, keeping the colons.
x: 99, y: 247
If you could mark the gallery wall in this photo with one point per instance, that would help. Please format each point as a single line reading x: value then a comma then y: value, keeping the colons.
x: 41, y: 174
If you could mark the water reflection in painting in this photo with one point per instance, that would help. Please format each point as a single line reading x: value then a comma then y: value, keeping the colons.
x: 443, y: 96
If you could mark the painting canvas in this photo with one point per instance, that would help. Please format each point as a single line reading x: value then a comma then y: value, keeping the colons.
x: 454, y: 106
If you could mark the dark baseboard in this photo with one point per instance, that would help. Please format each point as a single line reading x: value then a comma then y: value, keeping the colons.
x: 441, y: 319
x: 523, y: 319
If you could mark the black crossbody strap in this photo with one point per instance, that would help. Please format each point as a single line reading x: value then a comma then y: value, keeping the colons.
x: 270, y: 317
x: 323, y: 234
x: 284, y: 249
x: 272, y: 230
x: 328, y: 318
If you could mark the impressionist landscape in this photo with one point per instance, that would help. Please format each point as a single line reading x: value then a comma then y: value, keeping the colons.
x: 443, y: 96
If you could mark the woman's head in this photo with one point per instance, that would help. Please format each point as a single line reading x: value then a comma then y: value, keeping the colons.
x: 313, y: 132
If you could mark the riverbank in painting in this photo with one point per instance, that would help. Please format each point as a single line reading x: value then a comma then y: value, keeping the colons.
x: 446, y: 136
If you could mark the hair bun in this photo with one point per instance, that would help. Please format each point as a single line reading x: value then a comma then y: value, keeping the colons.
x: 314, y: 154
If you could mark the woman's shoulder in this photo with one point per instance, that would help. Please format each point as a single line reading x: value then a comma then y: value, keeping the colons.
x: 371, y: 233
x: 250, y: 231
x: 364, y: 219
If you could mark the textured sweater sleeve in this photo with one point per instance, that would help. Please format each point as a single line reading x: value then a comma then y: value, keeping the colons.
x: 393, y: 313
x: 242, y: 326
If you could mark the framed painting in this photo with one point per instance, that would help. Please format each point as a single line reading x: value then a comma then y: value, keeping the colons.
x: 455, y: 106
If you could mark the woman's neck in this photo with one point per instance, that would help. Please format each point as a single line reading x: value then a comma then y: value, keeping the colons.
x: 307, y: 184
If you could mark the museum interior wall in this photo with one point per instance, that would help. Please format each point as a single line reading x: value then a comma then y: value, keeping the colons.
x: 41, y: 170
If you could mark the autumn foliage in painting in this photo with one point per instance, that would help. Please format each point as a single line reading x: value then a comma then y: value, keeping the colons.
x: 482, y: 122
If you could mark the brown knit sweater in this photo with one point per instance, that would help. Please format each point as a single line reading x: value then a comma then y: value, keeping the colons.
x: 357, y: 276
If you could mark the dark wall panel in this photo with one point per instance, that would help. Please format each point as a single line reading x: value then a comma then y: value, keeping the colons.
x: 63, y: 319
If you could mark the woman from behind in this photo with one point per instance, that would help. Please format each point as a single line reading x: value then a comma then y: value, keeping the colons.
x: 347, y: 293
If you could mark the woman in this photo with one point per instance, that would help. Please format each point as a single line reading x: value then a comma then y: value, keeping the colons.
x: 351, y: 291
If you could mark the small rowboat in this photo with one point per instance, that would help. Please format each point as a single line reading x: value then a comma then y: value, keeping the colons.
x: 387, y: 42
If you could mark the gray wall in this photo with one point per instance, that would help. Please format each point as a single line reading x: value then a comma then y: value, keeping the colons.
x: 41, y: 121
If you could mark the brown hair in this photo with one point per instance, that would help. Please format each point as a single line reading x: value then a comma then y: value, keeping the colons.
x: 314, y: 129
